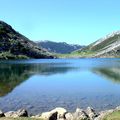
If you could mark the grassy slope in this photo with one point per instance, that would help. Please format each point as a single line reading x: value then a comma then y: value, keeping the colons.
x: 76, y: 55
x: 14, y: 45
x: 113, y: 116
x: 103, y: 45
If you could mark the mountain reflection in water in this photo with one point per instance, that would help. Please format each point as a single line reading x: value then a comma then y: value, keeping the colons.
x: 41, y: 85
x: 12, y: 75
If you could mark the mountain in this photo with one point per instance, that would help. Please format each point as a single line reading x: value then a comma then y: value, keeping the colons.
x: 109, y: 46
x: 14, y: 45
x: 58, y: 47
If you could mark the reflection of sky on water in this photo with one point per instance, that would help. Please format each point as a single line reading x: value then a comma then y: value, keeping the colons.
x: 40, y: 85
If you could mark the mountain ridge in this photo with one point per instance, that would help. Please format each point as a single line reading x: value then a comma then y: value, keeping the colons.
x: 108, y: 46
x: 58, y: 47
x: 14, y: 45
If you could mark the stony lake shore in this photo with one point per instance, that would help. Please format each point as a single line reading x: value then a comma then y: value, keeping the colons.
x: 60, y: 113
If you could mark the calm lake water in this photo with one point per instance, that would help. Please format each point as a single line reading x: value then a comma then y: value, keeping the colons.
x: 41, y: 85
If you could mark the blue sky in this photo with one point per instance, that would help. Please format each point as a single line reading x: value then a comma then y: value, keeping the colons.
x: 72, y: 21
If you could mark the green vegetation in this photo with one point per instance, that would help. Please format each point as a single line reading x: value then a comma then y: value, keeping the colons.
x: 8, y: 55
x: 22, y: 118
x: 113, y: 116
x: 108, y: 47
x: 76, y: 54
x: 14, y: 45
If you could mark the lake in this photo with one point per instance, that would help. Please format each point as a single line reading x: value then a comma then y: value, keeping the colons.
x: 43, y: 84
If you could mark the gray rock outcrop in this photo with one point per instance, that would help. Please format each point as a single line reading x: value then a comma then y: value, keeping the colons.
x: 57, y: 113
x: 19, y: 113
x: 91, y: 113
x: 80, y: 115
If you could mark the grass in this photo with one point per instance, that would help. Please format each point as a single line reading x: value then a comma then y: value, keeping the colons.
x: 22, y: 118
x: 76, y: 54
x: 113, y: 116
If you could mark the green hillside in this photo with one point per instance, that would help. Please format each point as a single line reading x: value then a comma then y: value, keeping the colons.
x: 109, y: 46
x: 14, y: 45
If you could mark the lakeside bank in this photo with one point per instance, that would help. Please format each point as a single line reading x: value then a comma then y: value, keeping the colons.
x: 60, y: 113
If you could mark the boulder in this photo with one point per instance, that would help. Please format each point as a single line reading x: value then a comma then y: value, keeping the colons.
x: 53, y: 116
x: 61, y: 112
x: 117, y: 108
x: 1, y: 114
x: 22, y: 113
x: 19, y: 113
x: 48, y: 115
x: 80, y: 115
x: 103, y: 114
x: 57, y: 113
x: 68, y: 116
x: 91, y: 113
x: 11, y: 114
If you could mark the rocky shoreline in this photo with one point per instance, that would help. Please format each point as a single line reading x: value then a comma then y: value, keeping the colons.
x: 60, y: 113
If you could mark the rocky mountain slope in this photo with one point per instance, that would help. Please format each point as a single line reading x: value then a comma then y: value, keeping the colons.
x: 58, y: 47
x: 14, y: 45
x: 109, y: 46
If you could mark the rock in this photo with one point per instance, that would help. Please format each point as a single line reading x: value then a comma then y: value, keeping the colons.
x: 80, y: 115
x: 91, y: 113
x: 68, y: 116
x: 19, y: 113
x: 57, y: 113
x: 103, y: 114
x: 117, y: 108
x: 61, y: 112
x: 22, y: 113
x: 53, y: 116
x: 1, y: 114
x: 11, y: 114
x: 36, y: 116
x: 49, y: 115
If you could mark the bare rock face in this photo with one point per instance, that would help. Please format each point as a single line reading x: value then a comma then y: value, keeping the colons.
x: 55, y: 114
x: 1, y: 114
x: 80, y: 115
x: 19, y: 113
x: 91, y: 113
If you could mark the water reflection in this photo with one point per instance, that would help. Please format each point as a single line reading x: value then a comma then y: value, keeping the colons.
x: 69, y: 83
x: 12, y: 75
x: 112, y: 74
